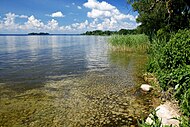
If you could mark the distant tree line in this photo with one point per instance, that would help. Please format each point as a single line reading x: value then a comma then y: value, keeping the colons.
x: 41, y: 33
x: 105, y: 33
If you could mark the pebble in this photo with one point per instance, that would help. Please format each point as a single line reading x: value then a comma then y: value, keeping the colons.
x: 123, y: 121
x: 126, y: 104
x: 121, y: 110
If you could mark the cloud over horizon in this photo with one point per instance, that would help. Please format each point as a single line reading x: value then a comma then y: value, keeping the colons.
x: 99, y: 15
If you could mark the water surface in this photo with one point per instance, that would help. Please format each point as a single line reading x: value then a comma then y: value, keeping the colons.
x: 69, y: 81
x: 35, y: 59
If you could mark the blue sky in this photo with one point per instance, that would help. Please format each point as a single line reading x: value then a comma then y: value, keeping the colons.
x: 65, y: 16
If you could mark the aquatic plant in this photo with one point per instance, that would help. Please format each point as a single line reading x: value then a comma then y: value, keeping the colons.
x: 131, y: 43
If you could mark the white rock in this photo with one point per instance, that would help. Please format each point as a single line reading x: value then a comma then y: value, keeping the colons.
x: 166, y: 113
x: 146, y: 87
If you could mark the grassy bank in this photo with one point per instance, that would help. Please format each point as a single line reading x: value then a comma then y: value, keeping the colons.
x: 170, y: 61
x: 130, y: 43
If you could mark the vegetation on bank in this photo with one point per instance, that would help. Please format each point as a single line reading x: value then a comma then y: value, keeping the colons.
x: 130, y: 43
x: 167, y: 23
x: 170, y: 61
x: 161, y: 17
x: 107, y: 33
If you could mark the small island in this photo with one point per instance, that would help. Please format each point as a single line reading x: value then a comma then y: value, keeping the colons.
x: 41, y: 33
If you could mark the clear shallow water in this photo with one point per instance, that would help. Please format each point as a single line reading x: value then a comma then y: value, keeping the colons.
x: 69, y: 81
x: 36, y: 59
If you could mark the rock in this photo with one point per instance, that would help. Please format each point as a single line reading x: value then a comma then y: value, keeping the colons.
x: 166, y: 112
x: 146, y: 87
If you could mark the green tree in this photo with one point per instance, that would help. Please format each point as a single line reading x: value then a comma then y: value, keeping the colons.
x: 164, y: 15
x: 125, y: 31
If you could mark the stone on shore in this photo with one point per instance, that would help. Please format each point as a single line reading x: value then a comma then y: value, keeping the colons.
x: 166, y: 112
x: 146, y: 87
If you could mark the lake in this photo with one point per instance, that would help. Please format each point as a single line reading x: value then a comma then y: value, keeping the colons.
x: 69, y: 81
x: 37, y: 59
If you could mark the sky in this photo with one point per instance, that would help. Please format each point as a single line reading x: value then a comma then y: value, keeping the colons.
x: 65, y: 16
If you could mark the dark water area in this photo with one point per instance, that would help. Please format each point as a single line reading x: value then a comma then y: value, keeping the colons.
x: 69, y: 81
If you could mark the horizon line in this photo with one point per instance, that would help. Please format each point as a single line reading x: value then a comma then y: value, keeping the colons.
x: 27, y: 34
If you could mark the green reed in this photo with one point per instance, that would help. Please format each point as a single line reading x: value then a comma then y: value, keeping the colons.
x: 131, y: 43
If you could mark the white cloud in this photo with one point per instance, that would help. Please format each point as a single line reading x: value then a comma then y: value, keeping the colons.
x: 23, y: 16
x: 68, y: 28
x: 52, y: 25
x: 32, y: 23
x: 1, y: 25
x: 80, y: 26
x: 90, y: 4
x: 98, y: 14
x: 83, y: 25
x: 94, y: 4
x: 73, y: 3
x: 9, y: 21
x: 57, y: 14
x: 104, y: 10
x: 67, y: 6
x: 93, y: 24
x: 108, y: 19
x: 79, y: 7
x: 131, y: 17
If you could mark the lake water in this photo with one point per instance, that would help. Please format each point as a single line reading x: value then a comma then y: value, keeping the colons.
x: 36, y: 59
x: 69, y: 81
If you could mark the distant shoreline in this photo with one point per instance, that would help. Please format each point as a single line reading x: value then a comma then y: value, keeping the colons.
x: 40, y: 35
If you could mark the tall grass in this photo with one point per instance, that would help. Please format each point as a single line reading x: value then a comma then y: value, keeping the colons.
x: 131, y: 43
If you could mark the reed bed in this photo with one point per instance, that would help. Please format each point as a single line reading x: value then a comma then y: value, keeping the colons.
x: 130, y: 43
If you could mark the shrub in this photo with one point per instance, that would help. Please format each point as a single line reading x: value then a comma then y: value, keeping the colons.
x: 185, y: 103
x: 155, y: 53
x: 177, y: 51
x: 171, y: 63
x: 164, y: 33
x: 177, y: 78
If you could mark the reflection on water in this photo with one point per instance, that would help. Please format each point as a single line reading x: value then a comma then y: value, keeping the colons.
x: 36, y: 59
x: 68, y: 81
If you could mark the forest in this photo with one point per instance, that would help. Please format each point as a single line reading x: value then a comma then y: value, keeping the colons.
x: 107, y: 33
